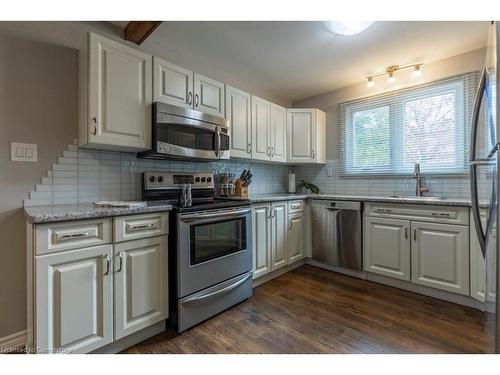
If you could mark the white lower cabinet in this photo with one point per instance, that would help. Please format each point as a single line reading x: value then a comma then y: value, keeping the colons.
x: 428, y: 246
x: 74, y: 300
x: 387, y: 248
x: 278, y: 235
x: 83, y: 299
x: 141, y: 285
x: 295, y: 237
x: 261, y: 239
x: 440, y: 256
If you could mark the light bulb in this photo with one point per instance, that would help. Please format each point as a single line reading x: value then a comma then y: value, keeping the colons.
x: 391, y: 78
x: 371, y: 82
x: 416, y: 71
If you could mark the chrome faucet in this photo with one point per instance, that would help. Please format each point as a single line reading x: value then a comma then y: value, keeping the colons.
x: 418, y: 188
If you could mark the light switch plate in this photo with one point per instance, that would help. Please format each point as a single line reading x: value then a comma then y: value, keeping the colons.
x: 23, y: 152
x: 329, y: 172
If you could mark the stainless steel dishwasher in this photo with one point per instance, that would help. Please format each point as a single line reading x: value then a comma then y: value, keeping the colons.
x: 337, y: 233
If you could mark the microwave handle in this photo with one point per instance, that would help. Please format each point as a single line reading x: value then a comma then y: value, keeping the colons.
x: 217, y: 143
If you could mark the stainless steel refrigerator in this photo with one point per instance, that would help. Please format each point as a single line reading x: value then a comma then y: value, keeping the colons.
x: 484, y: 177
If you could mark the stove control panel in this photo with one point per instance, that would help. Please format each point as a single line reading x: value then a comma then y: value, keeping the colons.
x: 173, y: 180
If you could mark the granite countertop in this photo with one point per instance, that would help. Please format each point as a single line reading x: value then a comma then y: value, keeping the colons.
x: 258, y: 198
x: 50, y: 214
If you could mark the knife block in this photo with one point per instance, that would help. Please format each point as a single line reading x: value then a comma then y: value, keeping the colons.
x: 240, y: 190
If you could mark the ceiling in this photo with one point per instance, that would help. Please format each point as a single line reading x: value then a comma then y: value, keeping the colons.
x: 301, y: 59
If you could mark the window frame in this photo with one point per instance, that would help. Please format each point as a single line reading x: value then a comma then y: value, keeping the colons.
x: 397, y: 101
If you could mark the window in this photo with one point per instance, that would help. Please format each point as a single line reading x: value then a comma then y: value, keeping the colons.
x: 387, y: 134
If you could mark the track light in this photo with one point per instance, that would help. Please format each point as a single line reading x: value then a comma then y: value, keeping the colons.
x: 390, y: 70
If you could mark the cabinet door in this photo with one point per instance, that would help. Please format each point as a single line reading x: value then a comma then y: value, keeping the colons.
x: 238, y: 113
x: 261, y: 118
x: 301, y: 135
x: 141, y: 289
x: 172, y: 84
x: 261, y: 240
x: 387, y: 247
x: 278, y: 235
x: 278, y: 133
x: 440, y: 256
x: 295, y: 237
x: 120, y: 87
x: 208, y: 95
x: 74, y: 300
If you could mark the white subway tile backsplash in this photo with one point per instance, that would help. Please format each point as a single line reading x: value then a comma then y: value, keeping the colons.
x: 84, y: 176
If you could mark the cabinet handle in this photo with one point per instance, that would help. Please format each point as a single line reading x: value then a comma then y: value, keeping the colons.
x: 406, y: 232
x: 134, y: 228
x: 94, y: 126
x: 190, y: 98
x: 313, y: 153
x: 272, y: 152
x: 72, y: 236
x: 249, y: 148
x: 289, y: 224
x: 108, y: 264
x: 414, y: 234
x: 196, y: 100
x: 120, y: 256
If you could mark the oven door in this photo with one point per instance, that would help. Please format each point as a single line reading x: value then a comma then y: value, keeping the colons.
x: 213, y: 246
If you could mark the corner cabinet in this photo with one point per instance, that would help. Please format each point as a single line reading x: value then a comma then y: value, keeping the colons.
x: 116, y: 96
x: 238, y: 113
x: 306, y: 136
x: 175, y: 85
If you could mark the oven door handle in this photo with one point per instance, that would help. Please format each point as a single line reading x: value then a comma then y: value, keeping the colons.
x: 202, y: 217
x: 204, y: 295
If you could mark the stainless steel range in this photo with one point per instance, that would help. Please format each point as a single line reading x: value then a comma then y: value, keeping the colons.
x: 212, y: 243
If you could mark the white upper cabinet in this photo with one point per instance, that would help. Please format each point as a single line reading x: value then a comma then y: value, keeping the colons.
x: 175, y: 85
x: 238, y: 113
x: 172, y: 84
x: 278, y: 133
x: 116, y: 83
x: 261, y: 120
x: 208, y: 95
x: 440, y: 256
x: 306, y: 136
x: 74, y: 300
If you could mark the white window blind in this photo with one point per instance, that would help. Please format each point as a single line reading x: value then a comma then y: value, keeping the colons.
x: 387, y: 134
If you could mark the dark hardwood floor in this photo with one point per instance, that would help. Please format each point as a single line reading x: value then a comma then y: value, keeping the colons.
x: 310, y: 310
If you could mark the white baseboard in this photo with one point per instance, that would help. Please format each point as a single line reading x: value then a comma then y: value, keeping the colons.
x: 12, y: 342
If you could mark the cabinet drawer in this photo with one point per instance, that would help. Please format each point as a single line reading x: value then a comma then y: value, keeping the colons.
x: 54, y: 237
x: 133, y: 227
x: 420, y: 212
x: 295, y: 206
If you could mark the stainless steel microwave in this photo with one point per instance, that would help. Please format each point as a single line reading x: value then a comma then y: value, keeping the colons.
x: 182, y: 133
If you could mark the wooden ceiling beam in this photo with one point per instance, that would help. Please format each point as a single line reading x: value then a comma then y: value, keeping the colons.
x: 138, y: 31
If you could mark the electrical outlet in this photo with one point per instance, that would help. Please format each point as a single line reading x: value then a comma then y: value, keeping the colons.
x: 23, y: 152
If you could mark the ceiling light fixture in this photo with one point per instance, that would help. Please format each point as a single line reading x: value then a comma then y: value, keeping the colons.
x: 348, y: 27
x: 390, y: 70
